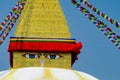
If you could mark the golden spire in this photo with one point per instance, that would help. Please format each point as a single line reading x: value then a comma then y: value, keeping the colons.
x: 42, y: 19
x: 42, y: 37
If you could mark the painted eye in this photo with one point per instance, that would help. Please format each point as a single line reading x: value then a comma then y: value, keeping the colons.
x: 31, y: 56
x: 53, y: 56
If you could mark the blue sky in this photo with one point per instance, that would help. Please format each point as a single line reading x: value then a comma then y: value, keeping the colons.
x: 99, y: 57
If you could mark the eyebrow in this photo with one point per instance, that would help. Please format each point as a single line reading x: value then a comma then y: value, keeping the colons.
x: 44, y: 54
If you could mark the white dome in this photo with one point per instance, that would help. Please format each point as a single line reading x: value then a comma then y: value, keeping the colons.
x: 40, y: 73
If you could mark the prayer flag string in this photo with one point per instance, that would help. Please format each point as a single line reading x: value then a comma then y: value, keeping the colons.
x: 97, y: 11
x: 100, y: 25
x: 9, y: 21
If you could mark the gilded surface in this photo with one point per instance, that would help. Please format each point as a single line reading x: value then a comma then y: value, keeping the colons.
x: 35, y: 59
x: 44, y: 19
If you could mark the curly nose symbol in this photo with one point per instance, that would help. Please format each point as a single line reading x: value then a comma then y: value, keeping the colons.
x: 42, y: 62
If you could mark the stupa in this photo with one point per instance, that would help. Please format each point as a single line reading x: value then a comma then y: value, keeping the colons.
x: 42, y: 47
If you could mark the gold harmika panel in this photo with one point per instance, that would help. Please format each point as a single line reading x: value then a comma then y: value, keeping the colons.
x: 26, y: 59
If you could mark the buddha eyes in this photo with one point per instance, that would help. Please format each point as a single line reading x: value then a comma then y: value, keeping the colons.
x: 53, y: 56
x: 31, y: 56
x: 37, y: 55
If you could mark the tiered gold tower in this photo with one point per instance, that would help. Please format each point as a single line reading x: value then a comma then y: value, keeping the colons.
x: 43, y: 19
